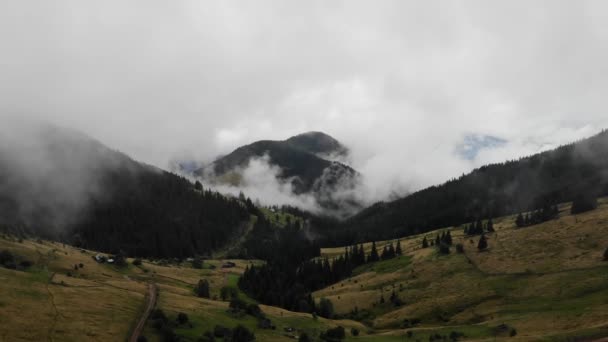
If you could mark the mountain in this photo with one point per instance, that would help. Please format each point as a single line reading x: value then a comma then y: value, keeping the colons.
x: 64, y: 185
x: 305, y: 161
x: 556, y: 176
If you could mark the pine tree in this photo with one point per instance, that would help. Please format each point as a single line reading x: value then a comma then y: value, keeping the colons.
x: 384, y: 255
x: 398, y: 250
x: 437, y: 240
x: 425, y: 243
x: 519, y: 221
x: 391, y: 251
x: 606, y: 255
x: 483, y: 243
x: 490, y: 225
x: 448, y: 238
x: 373, y: 255
x: 202, y: 289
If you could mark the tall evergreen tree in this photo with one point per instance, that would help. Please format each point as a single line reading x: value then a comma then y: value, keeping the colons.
x: 519, y: 221
x: 483, y: 243
x: 373, y: 255
x: 490, y: 225
x: 398, y: 250
x: 425, y: 243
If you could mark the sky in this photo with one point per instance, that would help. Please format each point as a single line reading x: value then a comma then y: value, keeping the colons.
x: 420, y: 91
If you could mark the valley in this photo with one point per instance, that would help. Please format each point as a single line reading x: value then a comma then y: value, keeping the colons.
x: 543, y: 282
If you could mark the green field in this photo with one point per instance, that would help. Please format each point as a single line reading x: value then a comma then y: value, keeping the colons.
x: 546, y: 282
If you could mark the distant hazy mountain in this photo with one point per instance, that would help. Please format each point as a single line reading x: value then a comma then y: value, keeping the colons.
x: 307, y: 161
x: 556, y: 176
x: 62, y: 184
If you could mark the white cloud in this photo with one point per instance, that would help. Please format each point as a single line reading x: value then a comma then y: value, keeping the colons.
x: 399, y: 82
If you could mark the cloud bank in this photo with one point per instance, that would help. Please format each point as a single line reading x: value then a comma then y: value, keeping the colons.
x: 401, y: 83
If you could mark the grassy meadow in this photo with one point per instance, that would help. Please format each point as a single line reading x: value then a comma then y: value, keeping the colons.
x: 546, y: 282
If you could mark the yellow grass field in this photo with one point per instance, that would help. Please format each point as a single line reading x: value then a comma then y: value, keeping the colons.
x: 546, y: 281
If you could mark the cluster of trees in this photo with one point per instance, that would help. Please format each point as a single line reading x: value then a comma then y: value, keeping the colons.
x: 546, y: 213
x: 166, y: 327
x: 583, y: 202
x: 225, y: 334
x: 159, y: 215
x: 13, y: 262
x: 272, y: 284
x: 478, y: 227
x: 442, y: 241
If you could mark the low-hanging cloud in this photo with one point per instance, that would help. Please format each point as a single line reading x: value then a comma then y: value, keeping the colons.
x: 50, y: 175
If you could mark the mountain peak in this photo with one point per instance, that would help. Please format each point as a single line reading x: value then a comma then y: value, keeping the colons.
x: 317, y: 143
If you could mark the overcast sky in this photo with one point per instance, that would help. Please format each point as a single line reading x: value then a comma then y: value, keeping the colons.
x: 404, y: 84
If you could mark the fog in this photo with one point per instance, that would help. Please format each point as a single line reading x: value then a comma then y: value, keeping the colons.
x: 403, y: 84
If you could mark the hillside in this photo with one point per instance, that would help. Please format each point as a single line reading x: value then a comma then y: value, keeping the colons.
x: 54, y: 300
x: 550, y: 177
x: 546, y: 281
x: 63, y: 185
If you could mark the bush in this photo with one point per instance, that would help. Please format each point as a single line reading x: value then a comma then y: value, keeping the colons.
x: 334, y: 334
x: 197, y: 263
x: 207, y: 337
x: 238, y: 304
x: 354, y: 331
x: 137, y: 262
x: 304, y: 338
x: 459, y: 248
x: 221, y: 331
x: 242, y: 334
x: 228, y: 292
x: 202, y: 289
x: 254, y: 310
x: 182, y: 318
x: 326, y: 308
x: 513, y: 332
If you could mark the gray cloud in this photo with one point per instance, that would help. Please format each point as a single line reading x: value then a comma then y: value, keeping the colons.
x: 401, y: 83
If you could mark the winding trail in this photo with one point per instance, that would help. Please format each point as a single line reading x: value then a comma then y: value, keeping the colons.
x: 152, y: 292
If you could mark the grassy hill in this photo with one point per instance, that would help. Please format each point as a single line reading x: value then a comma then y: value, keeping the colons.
x: 548, y: 282
x: 100, y: 302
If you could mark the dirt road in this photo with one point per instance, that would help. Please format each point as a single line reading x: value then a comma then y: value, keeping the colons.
x: 152, y: 291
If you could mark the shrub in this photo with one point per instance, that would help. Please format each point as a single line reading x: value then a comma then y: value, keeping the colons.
x: 254, y: 310
x: 182, y: 318
x: 513, y: 332
x: 202, y: 289
x: 354, y: 331
x: 483, y: 243
x: 237, y: 304
x: 137, y: 262
x: 459, y: 248
x: 228, y: 292
x: 242, y: 334
x: 197, y: 263
x: 304, y: 338
x: 326, y: 308
x: 221, y: 331
x: 334, y: 334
